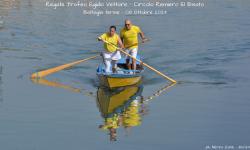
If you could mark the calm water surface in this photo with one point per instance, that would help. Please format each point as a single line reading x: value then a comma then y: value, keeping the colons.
x: 206, y: 49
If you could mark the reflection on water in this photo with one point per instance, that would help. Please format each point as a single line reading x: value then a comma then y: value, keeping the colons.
x: 57, y: 84
x: 121, y: 107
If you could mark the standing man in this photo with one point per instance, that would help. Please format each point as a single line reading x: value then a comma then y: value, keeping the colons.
x: 110, y: 54
x: 129, y: 36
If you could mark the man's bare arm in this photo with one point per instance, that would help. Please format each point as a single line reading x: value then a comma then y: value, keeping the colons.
x: 120, y: 43
x: 142, y: 37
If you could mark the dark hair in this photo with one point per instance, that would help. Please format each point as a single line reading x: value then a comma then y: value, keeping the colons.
x: 112, y: 27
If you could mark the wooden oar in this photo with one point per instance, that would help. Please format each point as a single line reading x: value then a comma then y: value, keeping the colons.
x: 159, y: 92
x: 158, y: 72
x: 44, y: 73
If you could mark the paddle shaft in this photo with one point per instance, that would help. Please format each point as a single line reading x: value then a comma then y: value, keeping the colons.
x: 44, y: 73
x: 158, y: 72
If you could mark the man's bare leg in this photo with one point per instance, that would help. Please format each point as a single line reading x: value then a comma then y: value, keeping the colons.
x: 133, y: 64
x: 128, y: 64
x: 114, y: 66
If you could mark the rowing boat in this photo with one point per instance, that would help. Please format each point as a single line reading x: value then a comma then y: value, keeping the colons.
x: 122, y: 76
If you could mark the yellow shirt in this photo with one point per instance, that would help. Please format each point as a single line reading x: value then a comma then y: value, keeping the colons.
x: 112, y: 39
x: 111, y: 123
x: 130, y: 37
x: 131, y: 117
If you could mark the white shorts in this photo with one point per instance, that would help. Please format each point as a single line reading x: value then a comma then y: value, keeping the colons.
x: 112, y: 56
x: 132, y: 52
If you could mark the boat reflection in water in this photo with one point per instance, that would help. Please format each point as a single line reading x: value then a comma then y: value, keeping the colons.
x: 57, y: 84
x: 120, y: 107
